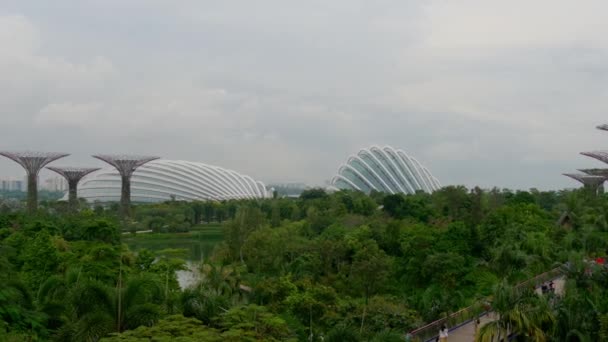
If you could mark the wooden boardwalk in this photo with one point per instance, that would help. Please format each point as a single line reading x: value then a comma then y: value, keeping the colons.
x: 466, y: 332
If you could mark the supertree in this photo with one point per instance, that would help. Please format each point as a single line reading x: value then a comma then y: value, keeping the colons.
x: 72, y: 175
x: 126, y: 165
x: 599, y: 155
x: 32, y: 162
x: 595, y: 172
x: 603, y: 127
x: 590, y: 182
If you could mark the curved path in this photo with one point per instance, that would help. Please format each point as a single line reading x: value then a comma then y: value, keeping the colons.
x: 466, y: 332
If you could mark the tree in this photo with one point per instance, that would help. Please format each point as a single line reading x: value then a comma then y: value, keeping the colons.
x: 310, y: 303
x: 343, y: 333
x: 275, y: 215
x: 208, y: 211
x: 176, y: 327
x: 247, y: 220
x: 312, y: 194
x: 452, y: 202
x: 41, y: 259
x: 393, y: 205
x: 90, y: 309
x: 18, y: 315
x: 520, y: 311
x: 369, y: 271
x: 254, y: 323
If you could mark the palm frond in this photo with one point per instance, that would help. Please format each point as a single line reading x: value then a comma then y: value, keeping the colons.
x: 93, y: 326
x: 144, y: 314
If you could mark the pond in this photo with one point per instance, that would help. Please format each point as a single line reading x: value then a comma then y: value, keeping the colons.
x: 197, y: 244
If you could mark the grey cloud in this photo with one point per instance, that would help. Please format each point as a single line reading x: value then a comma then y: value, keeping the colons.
x: 503, y: 94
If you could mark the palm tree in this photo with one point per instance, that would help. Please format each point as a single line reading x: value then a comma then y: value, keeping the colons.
x: 579, y: 312
x: 17, y: 309
x: 203, y: 304
x: 87, y: 310
x: 218, y: 291
x: 343, y: 333
x: 575, y: 317
x: 224, y: 280
x: 518, y: 312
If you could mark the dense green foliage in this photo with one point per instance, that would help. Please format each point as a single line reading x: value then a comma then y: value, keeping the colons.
x: 342, y: 266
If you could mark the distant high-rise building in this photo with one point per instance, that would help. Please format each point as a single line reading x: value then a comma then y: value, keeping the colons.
x: 12, y: 185
x: 55, y: 184
x: 288, y: 189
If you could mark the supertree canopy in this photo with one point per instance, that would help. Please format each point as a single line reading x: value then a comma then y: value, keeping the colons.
x: 599, y: 155
x: 595, y: 172
x: 586, y: 179
x: 126, y: 165
x: 594, y: 183
x: 73, y: 175
x: 32, y: 162
x: 603, y: 127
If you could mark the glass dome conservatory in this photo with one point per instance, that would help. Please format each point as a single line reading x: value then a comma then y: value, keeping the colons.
x: 386, y: 170
x: 163, y: 180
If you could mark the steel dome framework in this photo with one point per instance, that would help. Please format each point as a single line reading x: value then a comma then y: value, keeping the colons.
x: 386, y: 170
x: 163, y: 180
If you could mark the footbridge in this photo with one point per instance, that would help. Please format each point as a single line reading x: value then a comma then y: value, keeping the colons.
x: 463, y: 325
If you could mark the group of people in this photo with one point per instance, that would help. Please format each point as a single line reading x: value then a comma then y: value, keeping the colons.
x: 548, y: 288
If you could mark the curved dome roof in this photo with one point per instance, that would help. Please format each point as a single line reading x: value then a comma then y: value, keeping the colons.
x: 162, y: 180
x: 385, y: 170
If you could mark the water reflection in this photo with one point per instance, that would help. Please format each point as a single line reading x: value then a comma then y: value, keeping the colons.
x: 196, y: 247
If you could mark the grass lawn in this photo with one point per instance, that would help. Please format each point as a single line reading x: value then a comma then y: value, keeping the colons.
x: 198, y: 243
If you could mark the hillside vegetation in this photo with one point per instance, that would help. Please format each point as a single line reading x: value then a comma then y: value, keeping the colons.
x: 335, y: 267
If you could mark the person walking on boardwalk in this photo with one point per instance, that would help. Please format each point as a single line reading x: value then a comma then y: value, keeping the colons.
x: 476, y: 327
x: 443, y: 334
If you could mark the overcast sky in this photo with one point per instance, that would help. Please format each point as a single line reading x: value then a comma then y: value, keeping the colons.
x: 482, y: 92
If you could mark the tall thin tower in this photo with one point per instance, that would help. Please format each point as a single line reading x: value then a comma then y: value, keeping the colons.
x: 32, y: 162
x: 72, y: 175
x: 126, y: 165
x: 591, y: 182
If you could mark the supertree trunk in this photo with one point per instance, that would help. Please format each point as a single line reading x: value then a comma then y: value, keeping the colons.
x: 32, y: 193
x: 125, y: 197
x: 73, y: 195
x: 125, y: 165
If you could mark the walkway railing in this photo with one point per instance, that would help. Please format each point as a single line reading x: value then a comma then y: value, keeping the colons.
x: 481, y: 308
